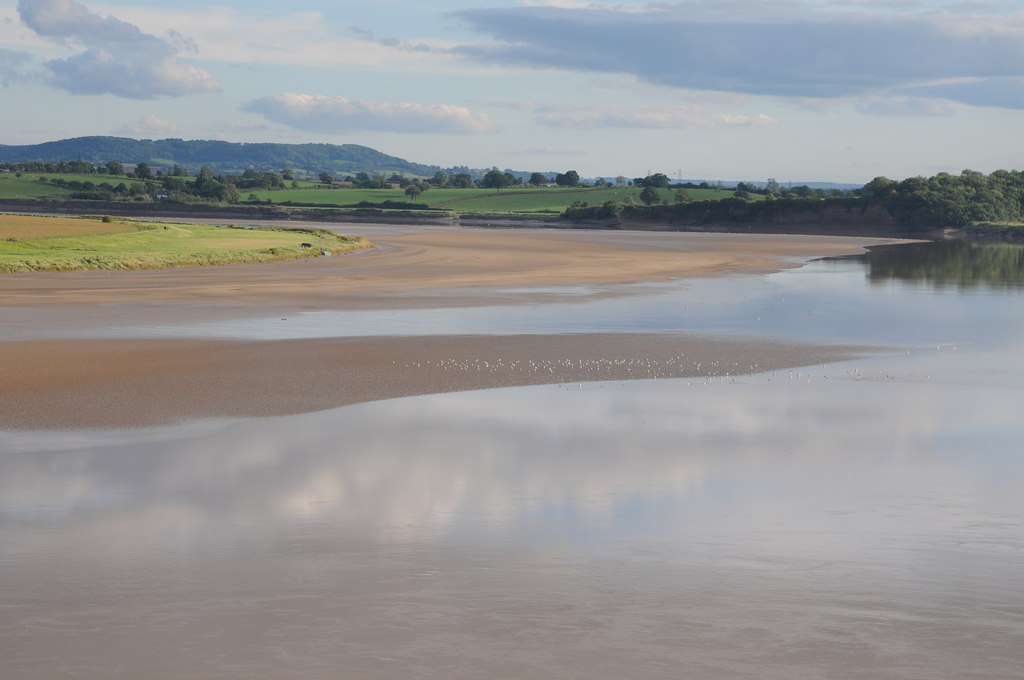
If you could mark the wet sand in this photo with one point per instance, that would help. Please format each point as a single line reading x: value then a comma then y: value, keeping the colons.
x: 65, y: 383
x: 132, y: 383
x: 433, y: 264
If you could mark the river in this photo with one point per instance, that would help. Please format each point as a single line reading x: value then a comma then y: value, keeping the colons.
x: 861, y: 519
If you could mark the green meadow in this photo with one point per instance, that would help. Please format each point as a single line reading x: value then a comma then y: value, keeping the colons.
x: 35, y: 244
x: 526, y: 200
x: 557, y: 200
x: 22, y: 187
x: 329, y: 197
x: 514, y: 200
x: 29, y: 186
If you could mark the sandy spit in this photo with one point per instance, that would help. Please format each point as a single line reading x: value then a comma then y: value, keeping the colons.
x: 131, y: 383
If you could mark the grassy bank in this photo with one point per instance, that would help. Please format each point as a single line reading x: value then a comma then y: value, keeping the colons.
x: 65, y: 244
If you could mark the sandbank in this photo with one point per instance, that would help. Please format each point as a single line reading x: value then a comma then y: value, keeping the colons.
x: 51, y: 381
x: 434, y: 262
x: 131, y: 383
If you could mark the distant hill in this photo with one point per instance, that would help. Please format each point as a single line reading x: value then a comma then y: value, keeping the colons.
x: 220, y: 157
x: 235, y: 157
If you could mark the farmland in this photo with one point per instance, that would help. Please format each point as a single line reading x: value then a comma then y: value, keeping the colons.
x: 515, y: 200
x: 542, y: 200
x: 28, y: 185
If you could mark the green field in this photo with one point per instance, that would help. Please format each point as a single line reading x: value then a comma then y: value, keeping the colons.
x: 36, y: 244
x: 29, y: 186
x: 545, y: 200
x: 21, y: 187
x: 557, y: 200
x: 330, y: 197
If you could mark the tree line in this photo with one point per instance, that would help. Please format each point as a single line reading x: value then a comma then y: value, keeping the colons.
x: 145, y: 183
x: 941, y: 201
x: 946, y: 200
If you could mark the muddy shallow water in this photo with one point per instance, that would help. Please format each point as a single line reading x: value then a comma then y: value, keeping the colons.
x: 852, y: 520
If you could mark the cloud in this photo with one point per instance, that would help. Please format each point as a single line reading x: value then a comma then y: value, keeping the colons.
x: 12, y: 66
x: 293, y: 37
x: 1007, y: 93
x: 369, y: 36
x: 117, y: 57
x: 668, y: 117
x: 150, y: 126
x: 789, y: 50
x: 322, y: 114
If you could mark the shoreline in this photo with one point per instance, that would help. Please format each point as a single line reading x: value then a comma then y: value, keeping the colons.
x: 54, y: 382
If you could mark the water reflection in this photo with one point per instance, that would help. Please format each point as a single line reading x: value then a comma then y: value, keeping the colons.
x: 500, y: 461
x: 747, y: 529
x: 857, y: 520
x: 947, y: 264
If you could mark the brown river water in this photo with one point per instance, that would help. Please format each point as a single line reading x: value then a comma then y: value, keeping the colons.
x: 862, y: 519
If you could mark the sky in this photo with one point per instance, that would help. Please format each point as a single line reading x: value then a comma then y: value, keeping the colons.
x: 796, y: 90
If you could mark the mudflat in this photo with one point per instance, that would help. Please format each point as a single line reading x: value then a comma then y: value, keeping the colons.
x: 52, y: 380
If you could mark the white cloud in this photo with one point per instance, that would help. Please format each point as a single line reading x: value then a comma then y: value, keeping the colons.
x: 116, y: 58
x: 150, y: 126
x: 294, y: 38
x: 790, y: 50
x: 322, y: 114
x: 668, y: 117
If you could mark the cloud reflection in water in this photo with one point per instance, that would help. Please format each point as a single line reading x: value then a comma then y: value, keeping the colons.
x: 716, y: 523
